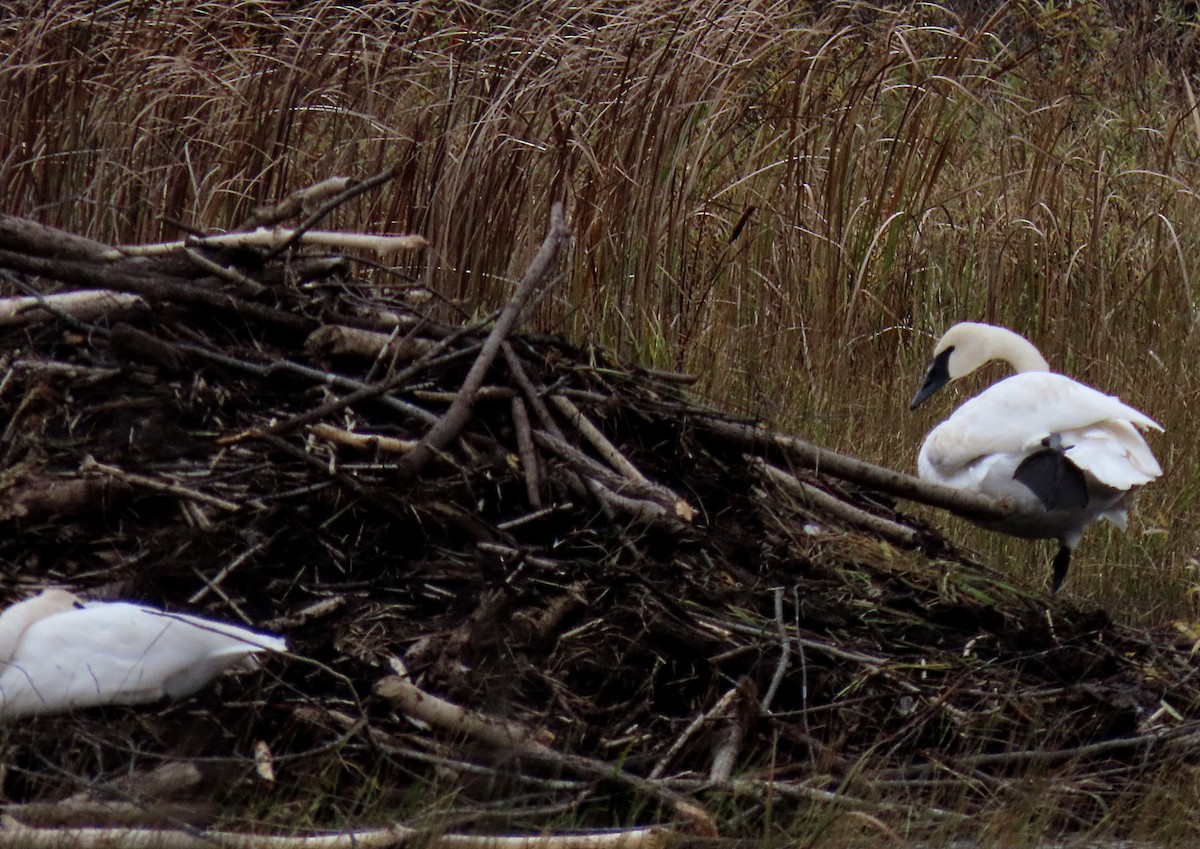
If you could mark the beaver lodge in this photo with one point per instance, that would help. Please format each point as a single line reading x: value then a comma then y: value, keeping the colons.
x: 531, y: 592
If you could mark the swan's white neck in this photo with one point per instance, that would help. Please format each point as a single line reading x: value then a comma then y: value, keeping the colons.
x: 975, y: 344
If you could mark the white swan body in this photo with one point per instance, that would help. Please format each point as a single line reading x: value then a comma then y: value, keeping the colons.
x: 1062, y: 453
x: 58, y: 654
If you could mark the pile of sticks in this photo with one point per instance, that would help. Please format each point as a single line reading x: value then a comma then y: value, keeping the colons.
x: 516, y: 573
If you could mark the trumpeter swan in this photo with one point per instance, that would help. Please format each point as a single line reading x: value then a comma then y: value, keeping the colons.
x: 58, y: 653
x: 1062, y: 454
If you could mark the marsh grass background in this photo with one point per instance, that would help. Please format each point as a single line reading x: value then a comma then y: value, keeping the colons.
x: 790, y: 199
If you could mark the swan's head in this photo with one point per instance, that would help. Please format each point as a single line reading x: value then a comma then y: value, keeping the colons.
x: 17, y: 618
x: 968, y: 345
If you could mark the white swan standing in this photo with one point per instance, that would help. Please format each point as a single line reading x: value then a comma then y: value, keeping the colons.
x: 1062, y: 453
x: 58, y: 653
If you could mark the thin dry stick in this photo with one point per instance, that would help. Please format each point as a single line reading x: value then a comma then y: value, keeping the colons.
x: 298, y: 201
x: 349, y: 193
x: 13, y: 835
x: 246, y: 286
x: 509, y: 735
x: 529, y: 459
x: 455, y: 419
x: 784, y: 651
x: 584, y: 486
x: 597, y: 439
x: 827, y: 503
x: 90, y: 464
x: 229, y: 569
x: 664, y: 502
x: 365, y: 391
x: 721, y: 708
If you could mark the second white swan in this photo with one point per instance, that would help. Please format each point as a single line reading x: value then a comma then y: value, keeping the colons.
x: 58, y: 653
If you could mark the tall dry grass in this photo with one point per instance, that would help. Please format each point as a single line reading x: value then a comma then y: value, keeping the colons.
x: 790, y: 199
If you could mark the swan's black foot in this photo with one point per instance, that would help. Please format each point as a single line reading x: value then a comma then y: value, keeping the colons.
x: 1062, y: 562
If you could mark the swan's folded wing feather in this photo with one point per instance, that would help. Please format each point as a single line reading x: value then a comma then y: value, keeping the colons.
x: 1017, y: 413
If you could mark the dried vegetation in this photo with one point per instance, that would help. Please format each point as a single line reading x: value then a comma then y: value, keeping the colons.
x: 685, y: 627
x: 526, y: 585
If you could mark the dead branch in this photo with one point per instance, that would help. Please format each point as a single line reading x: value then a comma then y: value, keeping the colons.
x: 831, y: 505
x: 32, y: 496
x: 400, y: 691
x: 969, y: 505
x: 21, y: 234
x: 668, y: 504
x: 455, y: 419
x: 243, y: 285
x: 329, y: 204
x: 529, y: 459
x: 297, y: 202
x: 597, y: 439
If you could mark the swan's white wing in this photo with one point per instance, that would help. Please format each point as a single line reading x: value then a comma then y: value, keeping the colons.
x: 1114, y: 453
x: 1016, y: 414
x: 119, y: 653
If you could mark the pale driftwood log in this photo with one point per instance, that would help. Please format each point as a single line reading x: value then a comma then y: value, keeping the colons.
x: 265, y: 237
x: 31, y: 496
x: 13, y: 835
x: 889, y: 530
x: 362, y: 441
x: 150, y: 285
x: 969, y: 505
x: 84, y: 305
x: 455, y: 419
x: 339, y: 340
x: 21, y: 234
x: 408, y: 697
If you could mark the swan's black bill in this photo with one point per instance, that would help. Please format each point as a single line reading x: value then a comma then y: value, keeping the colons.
x: 937, y: 377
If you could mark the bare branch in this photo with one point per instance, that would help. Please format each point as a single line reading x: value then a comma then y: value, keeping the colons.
x: 455, y: 419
